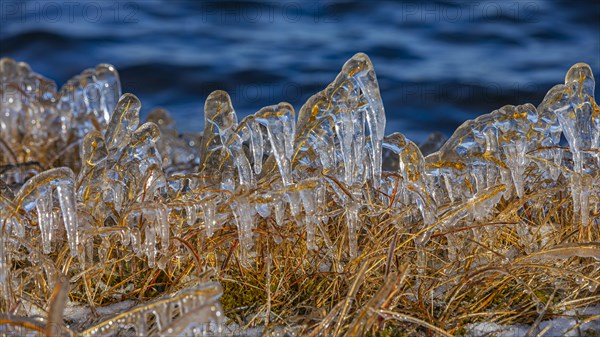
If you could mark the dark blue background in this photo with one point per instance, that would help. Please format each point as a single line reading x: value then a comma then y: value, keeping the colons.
x: 438, y: 63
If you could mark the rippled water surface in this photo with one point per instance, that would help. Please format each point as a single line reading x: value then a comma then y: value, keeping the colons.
x: 438, y: 63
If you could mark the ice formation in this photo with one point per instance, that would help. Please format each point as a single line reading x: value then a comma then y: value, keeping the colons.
x: 194, y: 312
x: 191, y: 312
x: 136, y: 181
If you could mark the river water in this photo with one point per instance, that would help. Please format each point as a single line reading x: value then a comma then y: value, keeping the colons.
x: 438, y: 63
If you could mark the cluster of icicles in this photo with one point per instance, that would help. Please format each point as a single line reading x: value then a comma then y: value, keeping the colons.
x: 133, y: 179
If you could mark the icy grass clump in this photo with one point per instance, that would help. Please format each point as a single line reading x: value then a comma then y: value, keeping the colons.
x: 320, y: 219
x: 194, y: 311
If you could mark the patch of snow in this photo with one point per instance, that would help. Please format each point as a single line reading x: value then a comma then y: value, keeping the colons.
x: 557, y: 327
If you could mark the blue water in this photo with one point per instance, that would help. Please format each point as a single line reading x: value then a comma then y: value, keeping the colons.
x: 438, y: 63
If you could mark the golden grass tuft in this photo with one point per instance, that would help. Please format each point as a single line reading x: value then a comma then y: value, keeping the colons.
x: 528, y: 262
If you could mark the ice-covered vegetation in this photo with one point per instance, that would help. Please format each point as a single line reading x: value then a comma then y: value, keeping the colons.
x: 317, y: 224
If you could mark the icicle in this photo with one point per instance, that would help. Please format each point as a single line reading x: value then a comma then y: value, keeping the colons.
x: 344, y: 129
x: 517, y: 133
x: 515, y: 154
x: 123, y: 122
x: 66, y: 197
x: 280, y: 123
x: 136, y: 241
x: 262, y: 204
x: 219, y: 122
x: 44, y: 210
x: 190, y: 214
x: 308, y: 191
x: 411, y: 166
x: 62, y: 180
x: 293, y: 199
x: 109, y: 84
x: 4, y: 269
x: 322, y: 141
x: 362, y: 70
x: 354, y: 89
x: 279, y: 210
x: 153, y: 217
x: 220, y: 140
x: 162, y: 227
x: 143, y: 148
x: 210, y: 217
x: 550, y: 129
x: 243, y: 216
x: 257, y: 146
x: 574, y: 105
x: 93, y: 93
x: 353, y: 224
x: 150, y: 245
